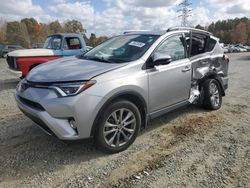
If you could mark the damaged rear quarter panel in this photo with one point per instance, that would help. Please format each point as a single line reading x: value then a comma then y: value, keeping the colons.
x: 209, y: 62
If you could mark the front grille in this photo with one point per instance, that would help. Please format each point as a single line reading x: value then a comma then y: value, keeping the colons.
x: 31, y: 104
x: 12, y: 63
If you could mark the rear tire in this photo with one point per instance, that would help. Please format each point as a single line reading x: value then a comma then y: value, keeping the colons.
x: 212, y: 95
x: 118, y: 126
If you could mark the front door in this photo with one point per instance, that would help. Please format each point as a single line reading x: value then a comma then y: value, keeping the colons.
x: 170, y: 84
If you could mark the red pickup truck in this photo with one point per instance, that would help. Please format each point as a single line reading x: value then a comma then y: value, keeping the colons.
x: 56, y: 46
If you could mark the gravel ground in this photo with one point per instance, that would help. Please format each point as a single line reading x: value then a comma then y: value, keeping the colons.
x: 190, y: 147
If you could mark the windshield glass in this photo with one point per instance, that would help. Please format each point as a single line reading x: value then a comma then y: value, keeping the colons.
x: 53, y: 42
x: 123, y: 48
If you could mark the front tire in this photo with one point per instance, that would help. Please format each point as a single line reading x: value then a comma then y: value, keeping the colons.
x: 118, y: 126
x: 212, y: 95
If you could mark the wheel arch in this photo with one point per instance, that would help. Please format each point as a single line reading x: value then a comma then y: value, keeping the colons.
x: 131, y: 96
x: 212, y: 75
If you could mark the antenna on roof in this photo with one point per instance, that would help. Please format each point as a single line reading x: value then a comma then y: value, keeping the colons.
x: 185, y: 9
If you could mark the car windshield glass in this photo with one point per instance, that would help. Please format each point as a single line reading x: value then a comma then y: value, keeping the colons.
x: 122, y: 49
x: 53, y: 42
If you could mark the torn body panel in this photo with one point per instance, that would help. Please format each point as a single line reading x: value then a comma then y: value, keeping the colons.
x: 213, y: 64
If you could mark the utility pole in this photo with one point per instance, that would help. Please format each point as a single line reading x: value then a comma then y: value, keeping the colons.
x: 185, y: 9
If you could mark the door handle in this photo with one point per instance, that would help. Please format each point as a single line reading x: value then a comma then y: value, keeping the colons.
x: 187, y: 68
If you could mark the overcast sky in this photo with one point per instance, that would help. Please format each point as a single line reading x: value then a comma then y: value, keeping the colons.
x: 111, y: 16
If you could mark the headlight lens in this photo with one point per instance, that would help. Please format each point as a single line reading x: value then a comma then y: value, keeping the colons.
x: 18, y: 87
x: 22, y: 86
x: 72, y: 88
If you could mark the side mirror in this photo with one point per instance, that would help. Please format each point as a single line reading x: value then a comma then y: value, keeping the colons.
x: 161, y: 59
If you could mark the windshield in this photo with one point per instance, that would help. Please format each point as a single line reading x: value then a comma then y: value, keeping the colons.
x: 123, y: 48
x: 53, y: 42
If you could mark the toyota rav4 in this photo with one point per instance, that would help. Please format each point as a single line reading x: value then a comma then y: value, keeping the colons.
x: 110, y: 92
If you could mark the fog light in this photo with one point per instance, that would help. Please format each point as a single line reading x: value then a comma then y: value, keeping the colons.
x: 72, y: 123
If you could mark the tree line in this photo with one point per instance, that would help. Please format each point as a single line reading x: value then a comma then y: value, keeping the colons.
x: 231, y: 31
x: 29, y: 31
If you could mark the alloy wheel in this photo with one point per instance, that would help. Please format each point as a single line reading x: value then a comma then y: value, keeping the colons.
x: 119, y: 127
x: 214, y: 94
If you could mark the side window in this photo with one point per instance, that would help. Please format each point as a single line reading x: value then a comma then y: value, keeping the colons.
x: 72, y: 43
x: 56, y: 43
x: 198, y: 44
x: 211, y: 45
x: 174, y: 47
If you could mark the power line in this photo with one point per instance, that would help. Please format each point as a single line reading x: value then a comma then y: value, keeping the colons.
x: 186, y: 10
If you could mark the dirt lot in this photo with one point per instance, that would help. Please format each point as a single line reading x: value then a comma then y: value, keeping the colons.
x: 190, y: 147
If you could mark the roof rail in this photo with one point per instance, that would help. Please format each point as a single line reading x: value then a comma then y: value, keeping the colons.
x: 188, y: 28
x: 134, y: 31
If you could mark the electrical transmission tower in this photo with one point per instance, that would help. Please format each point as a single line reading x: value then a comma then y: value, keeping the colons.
x: 186, y: 10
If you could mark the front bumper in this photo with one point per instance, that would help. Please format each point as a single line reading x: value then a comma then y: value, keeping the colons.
x: 52, y: 113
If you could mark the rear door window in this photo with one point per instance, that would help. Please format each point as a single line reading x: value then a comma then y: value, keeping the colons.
x: 211, y: 45
x: 198, y: 44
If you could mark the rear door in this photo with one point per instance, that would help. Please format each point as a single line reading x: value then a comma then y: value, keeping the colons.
x: 170, y: 84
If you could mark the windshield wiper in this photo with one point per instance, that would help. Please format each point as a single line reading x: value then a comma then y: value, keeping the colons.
x: 118, y: 59
x: 95, y: 58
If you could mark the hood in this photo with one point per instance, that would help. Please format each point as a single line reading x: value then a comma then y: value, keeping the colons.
x: 69, y: 69
x: 31, y: 52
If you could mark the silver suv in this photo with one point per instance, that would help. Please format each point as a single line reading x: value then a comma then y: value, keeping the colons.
x: 110, y: 92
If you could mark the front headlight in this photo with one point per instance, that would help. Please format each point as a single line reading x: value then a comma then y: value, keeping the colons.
x: 18, y: 87
x: 22, y: 86
x: 72, y: 88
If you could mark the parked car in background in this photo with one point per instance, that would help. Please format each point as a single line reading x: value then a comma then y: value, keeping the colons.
x: 241, y: 49
x: 230, y: 48
x: 56, y: 46
x: 110, y: 92
x: 1, y: 48
x: 247, y: 48
x: 9, y: 48
x: 226, y: 49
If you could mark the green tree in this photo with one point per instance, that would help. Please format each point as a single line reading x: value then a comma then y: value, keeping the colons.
x: 241, y: 33
x: 17, y: 33
x: 3, y: 33
x: 74, y: 26
x: 43, y: 32
x: 33, y: 28
x: 200, y: 27
x: 55, y: 27
x: 92, y: 40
